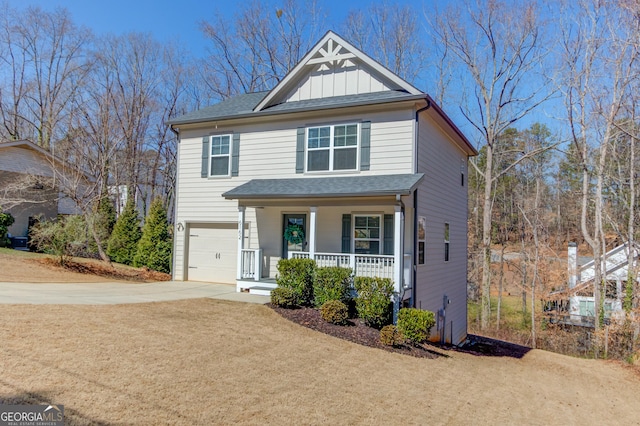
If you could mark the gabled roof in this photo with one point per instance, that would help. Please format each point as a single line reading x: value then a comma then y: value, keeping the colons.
x: 331, y: 49
x: 322, y: 187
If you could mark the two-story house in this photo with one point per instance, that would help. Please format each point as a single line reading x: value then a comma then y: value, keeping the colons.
x: 343, y: 162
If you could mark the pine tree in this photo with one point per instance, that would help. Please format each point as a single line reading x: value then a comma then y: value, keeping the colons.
x: 126, y: 233
x: 154, y: 248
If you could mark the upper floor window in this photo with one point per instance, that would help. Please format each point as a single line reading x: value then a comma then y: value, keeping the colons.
x: 220, y: 155
x: 331, y: 148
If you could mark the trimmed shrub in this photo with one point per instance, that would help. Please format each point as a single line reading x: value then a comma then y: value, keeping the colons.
x: 390, y: 336
x: 297, y: 274
x: 154, y: 247
x: 284, y: 297
x: 335, y: 312
x: 374, y: 303
x: 123, y: 243
x: 415, y: 324
x: 332, y: 283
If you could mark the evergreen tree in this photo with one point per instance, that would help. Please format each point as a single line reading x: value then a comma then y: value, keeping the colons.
x: 103, y: 221
x: 154, y: 248
x: 126, y: 233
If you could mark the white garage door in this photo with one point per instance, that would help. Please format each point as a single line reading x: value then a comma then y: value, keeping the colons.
x: 213, y: 250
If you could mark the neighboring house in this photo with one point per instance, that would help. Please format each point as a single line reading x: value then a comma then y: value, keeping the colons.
x: 29, y: 187
x: 615, y: 269
x: 343, y: 162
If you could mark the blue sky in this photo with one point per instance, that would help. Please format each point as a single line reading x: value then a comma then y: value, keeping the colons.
x: 167, y: 19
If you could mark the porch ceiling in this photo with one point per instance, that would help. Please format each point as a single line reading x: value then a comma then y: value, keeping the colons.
x: 326, y: 187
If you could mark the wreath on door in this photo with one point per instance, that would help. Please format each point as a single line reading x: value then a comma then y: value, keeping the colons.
x: 294, y: 234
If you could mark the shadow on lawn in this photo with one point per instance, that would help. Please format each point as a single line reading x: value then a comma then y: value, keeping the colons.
x: 486, y: 346
x: 71, y: 416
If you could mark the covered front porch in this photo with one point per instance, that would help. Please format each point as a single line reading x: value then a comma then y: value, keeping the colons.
x: 367, y: 230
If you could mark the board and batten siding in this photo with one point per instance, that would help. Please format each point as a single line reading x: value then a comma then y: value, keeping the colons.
x: 442, y: 199
x: 268, y: 151
x: 352, y: 79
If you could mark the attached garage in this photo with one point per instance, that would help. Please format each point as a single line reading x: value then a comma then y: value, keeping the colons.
x: 212, y: 252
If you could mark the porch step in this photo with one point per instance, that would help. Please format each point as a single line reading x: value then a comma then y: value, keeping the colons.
x: 261, y: 290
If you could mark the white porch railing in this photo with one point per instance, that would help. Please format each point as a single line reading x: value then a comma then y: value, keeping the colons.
x: 363, y: 265
x: 251, y: 264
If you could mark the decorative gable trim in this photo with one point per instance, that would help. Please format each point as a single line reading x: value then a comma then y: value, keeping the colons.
x: 329, y: 51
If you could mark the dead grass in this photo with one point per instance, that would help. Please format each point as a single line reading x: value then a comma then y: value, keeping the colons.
x: 19, y: 266
x: 216, y: 362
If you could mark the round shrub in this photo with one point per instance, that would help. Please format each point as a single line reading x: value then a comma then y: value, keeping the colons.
x: 335, y: 312
x: 332, y: 283
x: 390, y: 336
x: 415, y: 324
x: 297, y: 274
x: 374, y: 303
x: 284, y: 297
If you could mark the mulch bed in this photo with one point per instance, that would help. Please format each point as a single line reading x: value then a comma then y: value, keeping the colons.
x: 357, y: 332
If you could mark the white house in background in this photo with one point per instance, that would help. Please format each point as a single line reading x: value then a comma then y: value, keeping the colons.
x: 29, y: 185
x: 343, y: 162
x: 615, y: 268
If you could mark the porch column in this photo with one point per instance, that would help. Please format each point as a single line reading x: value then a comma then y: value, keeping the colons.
x: 397, y: 259
x: 241, y: 215
x: 312, y: 232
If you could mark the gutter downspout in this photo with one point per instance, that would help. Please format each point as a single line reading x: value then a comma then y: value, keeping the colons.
x: 414, y: 269
x: 175, y: 210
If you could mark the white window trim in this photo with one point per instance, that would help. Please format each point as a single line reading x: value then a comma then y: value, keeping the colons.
x: 380, y: 238
x: 229, y: 155
x: 331, y: 148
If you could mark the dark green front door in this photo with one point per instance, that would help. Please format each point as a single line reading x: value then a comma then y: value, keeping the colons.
x: 290, y: 221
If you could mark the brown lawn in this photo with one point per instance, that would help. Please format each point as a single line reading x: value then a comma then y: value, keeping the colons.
x: 215, y: 362
x: 18, y: 266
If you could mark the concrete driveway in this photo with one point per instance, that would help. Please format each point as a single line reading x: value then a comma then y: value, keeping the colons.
x: 110, y: 293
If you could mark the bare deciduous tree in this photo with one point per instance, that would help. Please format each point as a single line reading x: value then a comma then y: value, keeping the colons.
x: 600, y: 63
x: 44, y: 53
x: 391, y: 34
x: 257, y: 49
x: 497, y: 48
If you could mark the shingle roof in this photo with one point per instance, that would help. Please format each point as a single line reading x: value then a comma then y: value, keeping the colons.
x: 243, y: 105
x: 237, y: 105
x: 343, y: 186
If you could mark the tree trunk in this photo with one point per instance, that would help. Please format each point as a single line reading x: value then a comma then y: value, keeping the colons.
x: 486, y: 240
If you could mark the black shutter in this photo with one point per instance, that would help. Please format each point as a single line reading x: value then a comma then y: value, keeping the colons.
x: 346, y: 233
x: 235, y: 157
x: 388, y: 234
x: 204, y: 172
x: 300, y: 150
x: 365, y: 144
